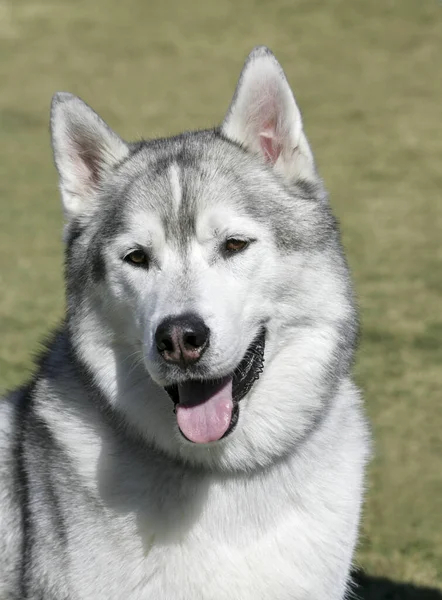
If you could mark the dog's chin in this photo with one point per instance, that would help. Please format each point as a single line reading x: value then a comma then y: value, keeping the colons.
x: 207, y: 410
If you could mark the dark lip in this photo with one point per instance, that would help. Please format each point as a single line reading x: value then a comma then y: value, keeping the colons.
x: 244, y: 376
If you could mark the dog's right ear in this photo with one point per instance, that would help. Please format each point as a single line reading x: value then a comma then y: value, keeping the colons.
x: 85, y: 149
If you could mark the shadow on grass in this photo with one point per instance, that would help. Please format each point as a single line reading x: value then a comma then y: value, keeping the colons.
x: 380, y: 588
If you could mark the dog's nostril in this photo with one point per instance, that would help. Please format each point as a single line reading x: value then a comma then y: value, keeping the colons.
x: 195, y: 340
x: 190, y: 340
x: 163, y: 338
x: 165, y: 344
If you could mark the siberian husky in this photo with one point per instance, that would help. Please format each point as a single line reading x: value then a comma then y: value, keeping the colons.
x: 192, y: 431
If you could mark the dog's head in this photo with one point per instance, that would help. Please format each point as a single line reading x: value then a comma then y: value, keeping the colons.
x: 209, y: 261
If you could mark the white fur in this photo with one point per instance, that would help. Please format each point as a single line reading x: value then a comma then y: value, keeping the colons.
x: 83, y: 146
x: 265, y: 118
x: 276, y: 515
x: 175, y: 186
x: 285, y: 533
x: 272, y: 510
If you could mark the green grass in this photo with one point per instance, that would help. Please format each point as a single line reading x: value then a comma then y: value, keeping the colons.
x: 367, y: 75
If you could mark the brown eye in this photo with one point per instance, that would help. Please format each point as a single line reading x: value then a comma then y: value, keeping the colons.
x: 233, y: 245
x: 137, y: 258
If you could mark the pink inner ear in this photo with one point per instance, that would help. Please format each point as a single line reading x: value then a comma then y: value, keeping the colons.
x: 270, y: 145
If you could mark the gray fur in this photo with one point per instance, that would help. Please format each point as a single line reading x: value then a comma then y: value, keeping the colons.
x: 100, y: 497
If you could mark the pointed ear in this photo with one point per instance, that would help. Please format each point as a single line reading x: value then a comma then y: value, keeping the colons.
x: 85, y: 149
x: 264, y: 117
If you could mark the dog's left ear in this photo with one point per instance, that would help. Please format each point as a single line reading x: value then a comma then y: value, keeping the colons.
x: 265, y: 119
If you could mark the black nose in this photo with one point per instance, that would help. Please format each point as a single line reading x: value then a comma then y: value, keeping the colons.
x: 182, y: 340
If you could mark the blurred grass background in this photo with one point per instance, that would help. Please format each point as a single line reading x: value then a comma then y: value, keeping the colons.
x: 368, y: 78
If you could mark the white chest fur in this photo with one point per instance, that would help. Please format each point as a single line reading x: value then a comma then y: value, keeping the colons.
x: 286, y: 533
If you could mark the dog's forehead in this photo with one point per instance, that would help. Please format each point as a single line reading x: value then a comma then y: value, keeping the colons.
x: 180, y: 187
x: 181, y: 180
x: 169, y: 186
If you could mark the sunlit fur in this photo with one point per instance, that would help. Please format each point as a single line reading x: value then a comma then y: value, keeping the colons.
x: 101, y: 497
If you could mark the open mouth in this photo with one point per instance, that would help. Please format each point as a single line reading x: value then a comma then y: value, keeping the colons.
x: 208, y: 410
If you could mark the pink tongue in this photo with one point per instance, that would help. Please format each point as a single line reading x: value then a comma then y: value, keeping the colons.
x: 204, y: 412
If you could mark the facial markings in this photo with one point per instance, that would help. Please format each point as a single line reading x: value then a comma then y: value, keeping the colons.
x: 175, y: 186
